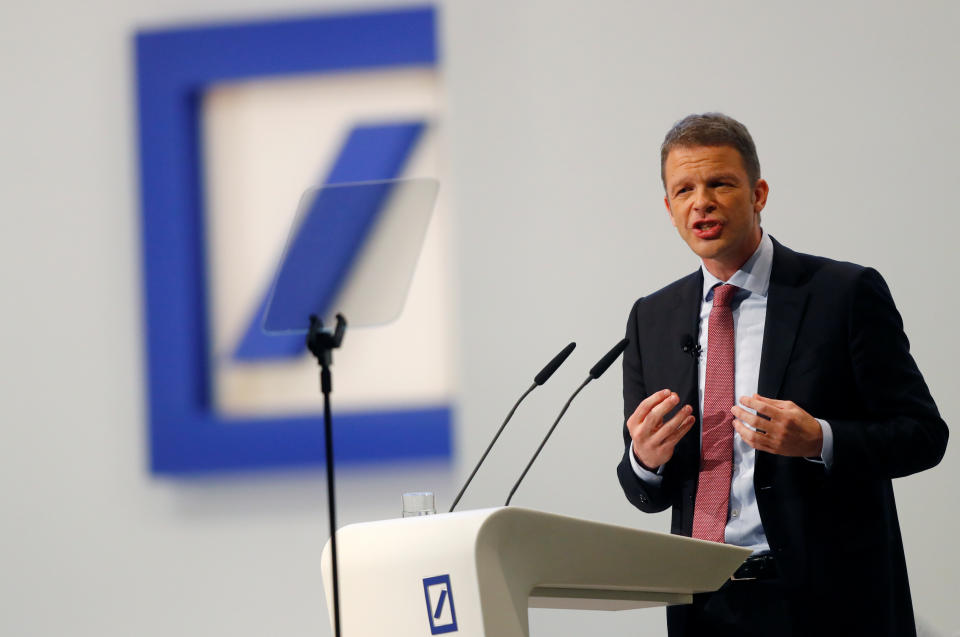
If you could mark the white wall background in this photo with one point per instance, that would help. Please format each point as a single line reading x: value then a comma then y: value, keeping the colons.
x: 556, y: 113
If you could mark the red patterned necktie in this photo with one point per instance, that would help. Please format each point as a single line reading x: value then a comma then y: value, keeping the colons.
x: 716, y: 441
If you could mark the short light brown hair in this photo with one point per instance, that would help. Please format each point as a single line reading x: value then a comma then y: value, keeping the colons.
x: 711, y: 129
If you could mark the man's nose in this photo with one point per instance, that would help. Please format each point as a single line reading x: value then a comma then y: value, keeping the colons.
x: 703, y: 200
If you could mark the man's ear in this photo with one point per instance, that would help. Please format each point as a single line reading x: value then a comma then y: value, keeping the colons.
x: 760, y: 192
x: 666, y: 204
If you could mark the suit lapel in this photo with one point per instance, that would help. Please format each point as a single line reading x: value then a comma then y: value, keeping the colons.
x: 786, y: 301
x: 685, y: 324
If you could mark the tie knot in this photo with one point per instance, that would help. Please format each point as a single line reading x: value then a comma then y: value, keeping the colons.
x: 723, y: 294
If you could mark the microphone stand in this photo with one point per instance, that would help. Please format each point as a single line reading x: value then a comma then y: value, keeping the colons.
x: 489, y: 447
x: 595, y: 372
x: 545, y: 439
x: 539, y: 379
x: 321, y: 344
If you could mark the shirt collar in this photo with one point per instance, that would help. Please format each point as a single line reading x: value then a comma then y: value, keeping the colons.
x: 754, y: 275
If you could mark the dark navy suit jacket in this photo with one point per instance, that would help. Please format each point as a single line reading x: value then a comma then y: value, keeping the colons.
x: 834, y: 344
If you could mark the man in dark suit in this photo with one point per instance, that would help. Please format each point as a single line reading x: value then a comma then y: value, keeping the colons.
x: 829, y: 407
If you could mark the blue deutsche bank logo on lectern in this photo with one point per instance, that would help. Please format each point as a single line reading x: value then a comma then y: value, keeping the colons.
x: 440, y: 610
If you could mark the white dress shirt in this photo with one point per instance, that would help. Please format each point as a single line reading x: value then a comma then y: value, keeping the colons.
x: 749, y: 308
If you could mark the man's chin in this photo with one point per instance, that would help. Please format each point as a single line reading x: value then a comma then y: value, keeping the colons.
x: 706, y: 248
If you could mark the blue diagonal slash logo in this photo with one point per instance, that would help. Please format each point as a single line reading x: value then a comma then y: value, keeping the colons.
x: 440, y: 609
x: 370, y: 153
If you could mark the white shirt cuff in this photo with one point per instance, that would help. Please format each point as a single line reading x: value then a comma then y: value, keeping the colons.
x: 651, y: 478
x: 826, y: 451
x: 826, y: 454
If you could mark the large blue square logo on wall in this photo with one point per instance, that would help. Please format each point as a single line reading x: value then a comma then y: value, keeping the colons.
x: 236, y: 121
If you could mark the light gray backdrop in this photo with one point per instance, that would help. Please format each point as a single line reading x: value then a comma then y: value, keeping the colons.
x: 556, y: 111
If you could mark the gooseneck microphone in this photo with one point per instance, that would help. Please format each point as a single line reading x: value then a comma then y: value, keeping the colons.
x: 538, y: 380
x: 595, y: 372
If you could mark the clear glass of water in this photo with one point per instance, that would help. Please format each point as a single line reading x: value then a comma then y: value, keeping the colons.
x: 418, y: 503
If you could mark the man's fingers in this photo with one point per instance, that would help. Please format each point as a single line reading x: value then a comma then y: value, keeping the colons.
x: 755, y: 401
x: 681, y: 430
x: 649, y: 403
x: 670, y: 427
x: 764, y: 410
x: 660, y: 410
x: 663, y: 441
x: 756, y: 440
x: 754, y: 420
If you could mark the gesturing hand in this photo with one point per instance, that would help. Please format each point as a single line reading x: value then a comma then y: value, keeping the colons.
x: 782, y: 427
x: 654, y: 439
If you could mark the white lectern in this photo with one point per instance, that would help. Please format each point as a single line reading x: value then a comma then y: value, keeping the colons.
x: 475, y: 573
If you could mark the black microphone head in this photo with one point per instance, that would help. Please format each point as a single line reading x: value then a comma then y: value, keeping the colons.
x: 597, y: 370
x: 552, y: 366
x: 690, y: 346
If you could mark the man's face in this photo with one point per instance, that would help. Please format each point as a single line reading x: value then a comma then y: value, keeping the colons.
x: 714, y: 206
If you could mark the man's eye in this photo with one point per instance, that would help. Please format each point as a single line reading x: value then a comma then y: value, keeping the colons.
x: 682, y: 190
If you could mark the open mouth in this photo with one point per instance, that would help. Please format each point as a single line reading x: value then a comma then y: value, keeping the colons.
x: 707, y: 229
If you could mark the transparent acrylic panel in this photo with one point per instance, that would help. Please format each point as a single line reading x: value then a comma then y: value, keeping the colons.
x: 352, y: 250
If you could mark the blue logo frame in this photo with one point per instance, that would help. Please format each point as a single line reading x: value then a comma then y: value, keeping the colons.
x: 446, y: 597
x: 174, y: 66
